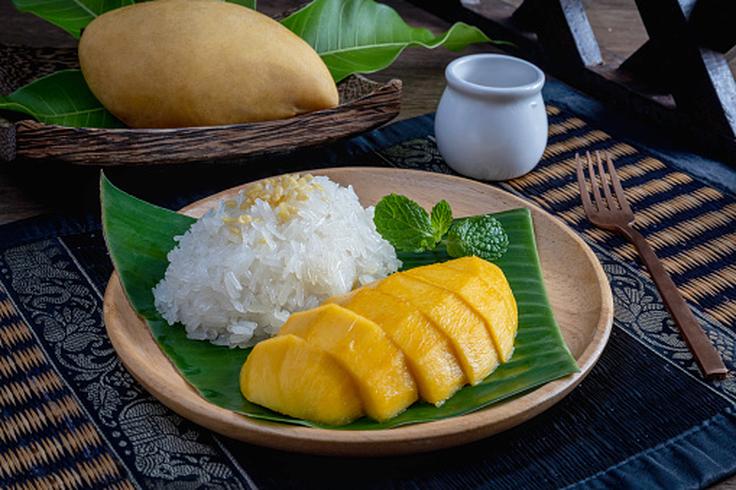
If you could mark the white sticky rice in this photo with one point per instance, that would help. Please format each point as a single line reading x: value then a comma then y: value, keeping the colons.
x: 242, y: 269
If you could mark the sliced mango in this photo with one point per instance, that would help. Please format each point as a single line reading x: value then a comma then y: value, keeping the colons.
x: 447, y: 311
x: 422, y: 332
x: 486, y: 301
x: 428, y: 351
x: 378, y: 367
x: 494, y: 277
x: 289, y: 376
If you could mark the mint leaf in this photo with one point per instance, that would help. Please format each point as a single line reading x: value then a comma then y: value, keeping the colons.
x: 404, y: 224
x: 482, y: 236
x: 441, y: 219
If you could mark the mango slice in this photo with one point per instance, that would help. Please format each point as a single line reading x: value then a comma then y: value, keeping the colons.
x: 378, y: 367
x: 428, y: 351
x: 424, y: 332
x: 286, y: 374
x: 494, y: 277
x: 488, y: 302
x: 447, y: 311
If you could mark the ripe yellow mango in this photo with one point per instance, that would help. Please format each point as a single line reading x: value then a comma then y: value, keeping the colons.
x: 428, y: 351
x: 488, y: 302
x: 428, y: 330
x: 447, y: 311
x: 378, y: 367
x: 288, y: 375
x: 494, y: 277
x: 175, y: 63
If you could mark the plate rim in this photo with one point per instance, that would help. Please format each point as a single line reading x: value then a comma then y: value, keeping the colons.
x: 407, y: 439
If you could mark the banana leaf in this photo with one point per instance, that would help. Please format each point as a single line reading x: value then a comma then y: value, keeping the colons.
x: 139, y: 235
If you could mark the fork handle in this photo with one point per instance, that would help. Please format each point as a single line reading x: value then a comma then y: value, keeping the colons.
x: 705, y: 354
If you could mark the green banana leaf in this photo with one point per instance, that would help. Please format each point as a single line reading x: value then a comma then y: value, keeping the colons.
x: 60, y: 98
x: 139, y: 236
x: 362, y: 36
x: 74, y: 15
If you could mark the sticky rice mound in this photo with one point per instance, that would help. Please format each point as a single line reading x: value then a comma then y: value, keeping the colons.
x: 284, y: 245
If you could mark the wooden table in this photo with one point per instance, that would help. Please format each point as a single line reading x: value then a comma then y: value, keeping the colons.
x: 615, y: 22
x: 422, y: 72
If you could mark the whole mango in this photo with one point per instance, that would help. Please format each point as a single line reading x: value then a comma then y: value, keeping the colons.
x: 177, y: 63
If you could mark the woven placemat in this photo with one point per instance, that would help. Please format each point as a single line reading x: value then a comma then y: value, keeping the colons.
x: 691, y: 226
x: 71, y: 415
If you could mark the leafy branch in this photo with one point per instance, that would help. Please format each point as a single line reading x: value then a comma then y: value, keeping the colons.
x: 351, y: 36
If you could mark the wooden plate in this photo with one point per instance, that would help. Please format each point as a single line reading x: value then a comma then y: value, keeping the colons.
x: 577, y: 287
x: 364, y: 105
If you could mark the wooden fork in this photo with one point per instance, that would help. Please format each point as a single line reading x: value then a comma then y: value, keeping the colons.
x: 612, y: 212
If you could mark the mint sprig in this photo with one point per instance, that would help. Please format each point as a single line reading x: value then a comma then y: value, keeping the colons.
x: 482, y: 236
x: 409, y: 228
x: 404, y: 224
x: 441, y: 219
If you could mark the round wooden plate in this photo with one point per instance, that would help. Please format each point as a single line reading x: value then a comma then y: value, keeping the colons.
x: 577, y: 287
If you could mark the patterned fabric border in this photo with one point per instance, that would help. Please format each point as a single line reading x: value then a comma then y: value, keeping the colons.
x: 80, y: 418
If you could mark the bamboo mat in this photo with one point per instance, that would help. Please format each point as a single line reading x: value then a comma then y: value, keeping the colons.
x: 72, y: 417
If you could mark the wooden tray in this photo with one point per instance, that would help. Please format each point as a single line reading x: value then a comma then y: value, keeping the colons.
x: 577, y: 288
x: 364, y: 105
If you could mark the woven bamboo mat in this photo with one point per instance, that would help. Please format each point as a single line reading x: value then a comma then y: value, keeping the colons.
x: 71, y: 416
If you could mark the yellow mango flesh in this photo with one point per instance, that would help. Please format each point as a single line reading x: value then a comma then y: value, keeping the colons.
x: 378, y: 367
x: 449, y: 313
x: 176, y: 63
x: 486, y: 301
x: 286, y: 374
x: 494, y: 277
x: 428, y: 351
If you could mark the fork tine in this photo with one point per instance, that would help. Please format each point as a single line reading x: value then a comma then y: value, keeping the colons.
x: 584, y: 195
x: 604, y: 182
x: 594, y: 184
x: 620, y: 194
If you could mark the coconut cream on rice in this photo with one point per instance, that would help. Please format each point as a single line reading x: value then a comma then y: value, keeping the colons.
x: 284, y: 245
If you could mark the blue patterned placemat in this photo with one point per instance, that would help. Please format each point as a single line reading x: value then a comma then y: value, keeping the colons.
x: 71, y: 415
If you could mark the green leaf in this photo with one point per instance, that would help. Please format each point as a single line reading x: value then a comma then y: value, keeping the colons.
x: 482, y: 236
x: 60, y: 98
x: 362, y: 36
x: 251, y: 4
x: 70, y: 15
x: 139, y: 236
x: 441, y: 218
x: 74, y: 15
x: 404, y: 223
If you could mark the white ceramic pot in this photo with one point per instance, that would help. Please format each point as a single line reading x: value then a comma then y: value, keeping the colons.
x: 491, y: 122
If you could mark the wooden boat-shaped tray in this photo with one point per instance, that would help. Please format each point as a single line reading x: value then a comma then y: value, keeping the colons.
x: 364, y: 105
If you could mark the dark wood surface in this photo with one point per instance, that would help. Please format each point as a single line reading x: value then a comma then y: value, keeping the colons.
x: 674, y: 81
x: 420, y: 70
x: 615, y: 22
